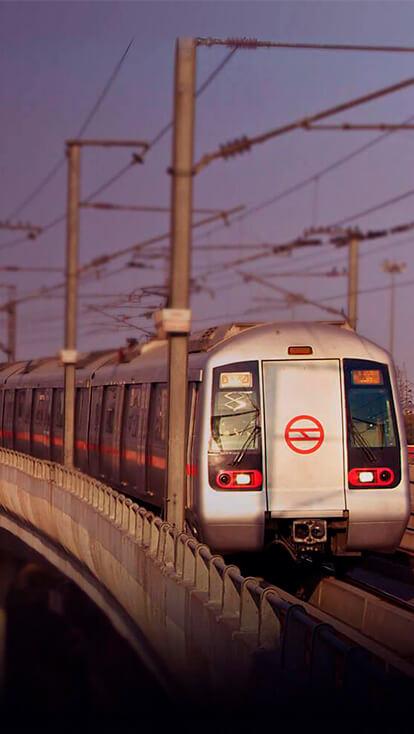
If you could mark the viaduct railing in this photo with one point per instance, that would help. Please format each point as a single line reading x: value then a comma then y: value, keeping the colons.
x: 217, y: 633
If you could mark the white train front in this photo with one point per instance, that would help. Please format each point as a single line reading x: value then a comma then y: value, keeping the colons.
x: 305, y: 444
x: 295, y: 434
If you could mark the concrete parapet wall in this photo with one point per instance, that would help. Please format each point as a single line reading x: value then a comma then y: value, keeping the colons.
x: 215, y: 631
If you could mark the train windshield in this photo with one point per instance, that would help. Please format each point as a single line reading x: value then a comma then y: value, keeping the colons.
x: 372, y: 430
x: 235, y: 421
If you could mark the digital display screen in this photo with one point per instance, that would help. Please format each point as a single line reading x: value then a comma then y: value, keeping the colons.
x: 235, y: 379
x: 366, y: 377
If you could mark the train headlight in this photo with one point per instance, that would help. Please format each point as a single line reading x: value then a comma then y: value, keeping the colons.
x: 366, y: 476
x: 243, y: 479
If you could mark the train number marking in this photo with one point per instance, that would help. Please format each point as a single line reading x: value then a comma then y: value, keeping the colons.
x: 304, y: 429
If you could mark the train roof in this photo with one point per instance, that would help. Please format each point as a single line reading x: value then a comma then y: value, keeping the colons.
x: 327, y: 340
x: 234, y: 341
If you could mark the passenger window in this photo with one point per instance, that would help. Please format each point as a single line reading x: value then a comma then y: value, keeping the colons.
x: 160, y: 418
x: 59, y: 408
x: 81, y: 402
x: 96, y: 417
x: 8, y: 407
x: 21, y: 394
x: 109, y: 420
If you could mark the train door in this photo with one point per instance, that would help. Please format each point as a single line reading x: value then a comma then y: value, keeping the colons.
x: 42, y: 423
x: 57, y: 425
x: 304, y: 438
x: 8, y: 419
x: 94, y: 430
x: 81, y: 428
x: 22, y: 436
x: 108, y: 433
x: 157, y: 449
x: 192, y: 464
x: 134, y: 436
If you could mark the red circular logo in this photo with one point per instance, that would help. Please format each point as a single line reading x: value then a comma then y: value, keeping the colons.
x: 304, y: 434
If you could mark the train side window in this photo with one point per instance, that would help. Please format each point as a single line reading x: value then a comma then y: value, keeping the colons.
x: 96, y: 416
x: 137, y: 409
x: 160, y: 413
x: 28, y: 406
x: 133, y: 407
x: 20, y: 402
x: 108, y: 421
x: 8, y: 407
x: 81, y: 407
x: 59, y: 408
x: 40, y: 403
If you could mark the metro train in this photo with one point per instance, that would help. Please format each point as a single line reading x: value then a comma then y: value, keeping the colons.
x: 295, y: 433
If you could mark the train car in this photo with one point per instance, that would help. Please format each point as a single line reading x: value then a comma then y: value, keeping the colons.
x: 295, y: 434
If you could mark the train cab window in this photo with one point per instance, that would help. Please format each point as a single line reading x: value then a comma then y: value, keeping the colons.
x: 370, y: 406
x: 235, y: 420
x: 372, y: 431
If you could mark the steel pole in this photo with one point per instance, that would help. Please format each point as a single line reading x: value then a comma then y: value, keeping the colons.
x: 11, y: 325
x: 353, y: 248
x: 69, y: 352
x: 181, y: 209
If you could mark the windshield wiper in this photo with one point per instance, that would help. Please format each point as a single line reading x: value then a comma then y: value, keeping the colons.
x: 362, y: 444
x: 256, y: 430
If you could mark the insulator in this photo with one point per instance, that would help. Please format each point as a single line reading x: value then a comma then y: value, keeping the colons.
x: 240, y: 145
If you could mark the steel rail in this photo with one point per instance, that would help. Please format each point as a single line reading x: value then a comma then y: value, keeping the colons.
x: 382, y: 594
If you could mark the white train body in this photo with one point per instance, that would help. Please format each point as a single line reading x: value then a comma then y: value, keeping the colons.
x: 306, y: 448
x: 295, y: 434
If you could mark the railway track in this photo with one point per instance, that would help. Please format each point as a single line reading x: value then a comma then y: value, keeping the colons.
x: 383, y: 594
x: 379, y: 614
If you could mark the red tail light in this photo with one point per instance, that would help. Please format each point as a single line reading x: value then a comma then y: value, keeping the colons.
x: 243, y: 479
x: 371, y: 477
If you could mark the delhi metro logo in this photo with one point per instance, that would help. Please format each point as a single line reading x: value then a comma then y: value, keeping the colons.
x: 304, y: 434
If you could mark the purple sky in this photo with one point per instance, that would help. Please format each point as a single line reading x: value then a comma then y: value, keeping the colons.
x: 55, y: 58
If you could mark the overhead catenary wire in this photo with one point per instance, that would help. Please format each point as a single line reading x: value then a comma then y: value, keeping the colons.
x: 254, y: 43
x: 277, y: 305
x: 118, y: 174
x: 245, y: 143
x: 299, y: 297
x: 376, y: 207
x: 105, y: 259
x: 256, y: 208
x: 59, y: 163
x: 340, y: 240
